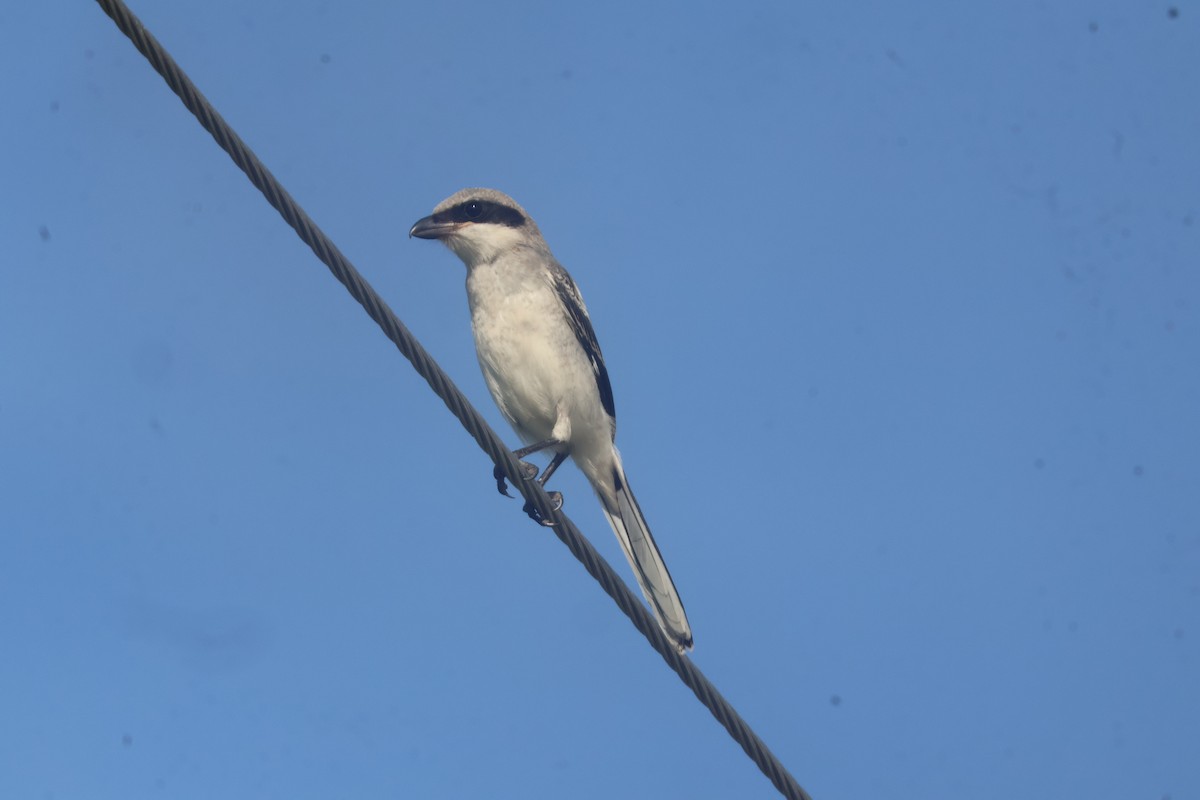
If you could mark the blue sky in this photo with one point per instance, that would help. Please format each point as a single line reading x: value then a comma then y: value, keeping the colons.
x: 900, y: 306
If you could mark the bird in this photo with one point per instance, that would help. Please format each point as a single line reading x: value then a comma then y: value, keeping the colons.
x: 543, y: 366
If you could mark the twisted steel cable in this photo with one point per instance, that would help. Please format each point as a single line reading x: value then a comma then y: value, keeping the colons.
x: 441, y: 384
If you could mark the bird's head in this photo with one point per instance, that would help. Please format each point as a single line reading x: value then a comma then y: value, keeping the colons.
x: 478, y: 225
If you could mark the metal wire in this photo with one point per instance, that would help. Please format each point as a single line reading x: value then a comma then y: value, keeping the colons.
x: 428, y: 369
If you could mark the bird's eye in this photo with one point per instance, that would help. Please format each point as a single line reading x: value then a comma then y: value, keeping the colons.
x: 473, y: 210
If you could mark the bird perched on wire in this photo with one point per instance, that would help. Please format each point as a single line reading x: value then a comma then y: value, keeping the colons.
x: 543, y: 365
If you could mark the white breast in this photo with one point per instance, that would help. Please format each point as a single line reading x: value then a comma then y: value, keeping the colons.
x: 531, y: 361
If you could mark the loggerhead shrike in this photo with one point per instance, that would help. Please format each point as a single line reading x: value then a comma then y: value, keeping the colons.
x: 542, y: 363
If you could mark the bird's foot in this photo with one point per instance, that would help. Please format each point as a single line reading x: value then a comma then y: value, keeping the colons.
x: 528, y: 472
x: 501, y: 483
x: 556, y: 502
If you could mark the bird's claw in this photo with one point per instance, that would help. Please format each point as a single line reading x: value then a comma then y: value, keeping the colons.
x: 556, y: 503
x: 501, y: 483
x: 528, y: 472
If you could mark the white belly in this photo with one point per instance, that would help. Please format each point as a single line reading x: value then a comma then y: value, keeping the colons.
x: 537, y: 373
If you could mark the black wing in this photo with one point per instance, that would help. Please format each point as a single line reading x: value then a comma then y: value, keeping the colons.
x: 581, y: 324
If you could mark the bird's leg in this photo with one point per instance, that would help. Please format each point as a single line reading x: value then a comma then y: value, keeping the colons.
x: 556, y: 498
x: 528, y: 471
x: 554, y: 464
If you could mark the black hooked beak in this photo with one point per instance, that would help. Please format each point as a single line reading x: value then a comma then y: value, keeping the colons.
x: 433, y: 228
